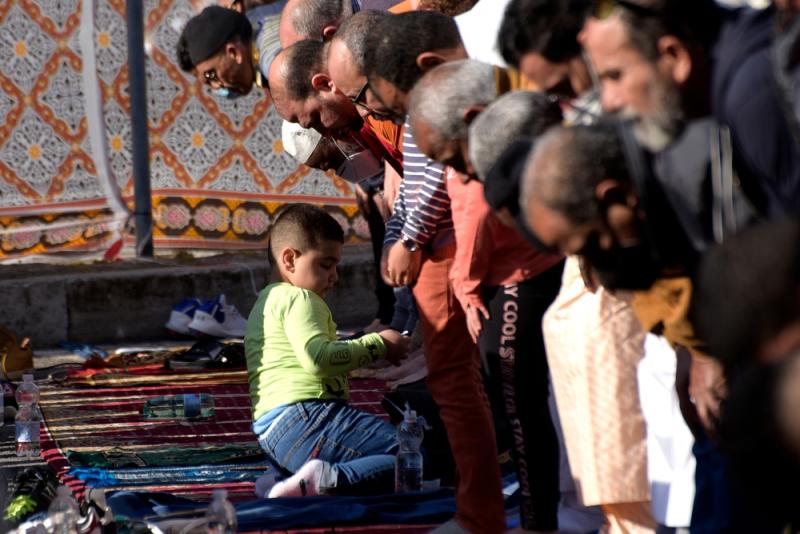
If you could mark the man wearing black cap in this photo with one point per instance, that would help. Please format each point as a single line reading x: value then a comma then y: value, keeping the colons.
x: 216, y: 46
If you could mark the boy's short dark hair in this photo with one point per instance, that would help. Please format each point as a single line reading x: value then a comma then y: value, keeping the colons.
x: 302, y: 227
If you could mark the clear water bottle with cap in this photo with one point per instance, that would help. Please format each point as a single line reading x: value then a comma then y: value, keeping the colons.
x: 27, y: 430
x: 27, y: 392
x: 63, y: 513
x: 221, y: 515
x: 408, y: 464
x: 186, y: 406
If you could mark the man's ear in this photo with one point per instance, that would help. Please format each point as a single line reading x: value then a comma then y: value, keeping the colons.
x: 427, y: 60
x: 233, y: 52
x: 675, y: 58
x: 471, y: 112
x: 288, y: 258
x: 321, y: 82
x: 328, y: 32
x: 610, y: 191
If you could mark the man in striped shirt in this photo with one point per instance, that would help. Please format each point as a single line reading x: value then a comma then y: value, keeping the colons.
x: 419, y: 249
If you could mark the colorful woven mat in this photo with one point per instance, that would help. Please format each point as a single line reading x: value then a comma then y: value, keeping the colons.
x: 93, y: 418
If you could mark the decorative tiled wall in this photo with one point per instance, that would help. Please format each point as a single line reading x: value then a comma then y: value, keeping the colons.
x: 218, y: 170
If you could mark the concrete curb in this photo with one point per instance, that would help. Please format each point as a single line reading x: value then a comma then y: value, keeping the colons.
x: 131, y: 300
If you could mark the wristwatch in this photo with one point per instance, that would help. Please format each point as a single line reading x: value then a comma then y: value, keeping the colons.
x: 410, y: 244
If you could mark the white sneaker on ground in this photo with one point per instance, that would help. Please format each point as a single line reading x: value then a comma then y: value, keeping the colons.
x: 181, y: 315
x: 217, y: 319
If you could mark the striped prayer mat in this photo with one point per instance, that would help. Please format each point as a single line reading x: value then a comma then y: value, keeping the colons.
x: 98, y: 413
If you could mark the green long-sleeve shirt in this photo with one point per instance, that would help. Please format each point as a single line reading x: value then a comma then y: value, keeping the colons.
x: 292, y: 351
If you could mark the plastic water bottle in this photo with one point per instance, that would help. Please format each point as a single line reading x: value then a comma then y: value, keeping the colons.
x: 27, y: 392
x: 27, y: 430
x: 186, y: 406
x: 221, y: 516
x: 408, y: 464
x: 63, y: 513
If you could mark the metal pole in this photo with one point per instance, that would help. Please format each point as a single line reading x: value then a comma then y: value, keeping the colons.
x: 143, y: 211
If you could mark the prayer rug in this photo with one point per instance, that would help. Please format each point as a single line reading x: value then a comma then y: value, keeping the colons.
x: 93, y: 418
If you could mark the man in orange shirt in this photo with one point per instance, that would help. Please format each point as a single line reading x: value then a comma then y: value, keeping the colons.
x: 503, y: 283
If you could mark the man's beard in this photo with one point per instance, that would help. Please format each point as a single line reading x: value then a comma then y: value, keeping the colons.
x: 656, y: 130
x: 632, y: 267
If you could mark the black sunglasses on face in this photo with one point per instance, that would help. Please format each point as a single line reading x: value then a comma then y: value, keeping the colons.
x: 210, y: 76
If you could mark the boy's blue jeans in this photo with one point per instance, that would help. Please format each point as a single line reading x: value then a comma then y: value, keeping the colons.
x: 358, y: 447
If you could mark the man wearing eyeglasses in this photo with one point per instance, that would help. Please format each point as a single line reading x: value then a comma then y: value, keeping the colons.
x: 346, y: 67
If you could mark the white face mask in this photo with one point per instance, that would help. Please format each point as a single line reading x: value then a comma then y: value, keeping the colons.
x: 359, y: 163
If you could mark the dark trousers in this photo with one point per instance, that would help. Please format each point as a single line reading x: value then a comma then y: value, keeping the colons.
x: 384, y: 293
x: 720, y: 503
x: 512, y: 345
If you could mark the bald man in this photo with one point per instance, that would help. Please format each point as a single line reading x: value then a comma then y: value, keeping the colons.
x: 319, y: 19
x: 302, y: 91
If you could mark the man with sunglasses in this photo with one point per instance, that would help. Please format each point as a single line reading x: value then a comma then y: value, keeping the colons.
x: 228, y: 48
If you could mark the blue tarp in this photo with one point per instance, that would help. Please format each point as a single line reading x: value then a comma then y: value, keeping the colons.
x: 425, y: 507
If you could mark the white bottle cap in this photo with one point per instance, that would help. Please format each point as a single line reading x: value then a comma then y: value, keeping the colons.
x: 63, y: 491
x: 27, y: 378
x: 219, y: 494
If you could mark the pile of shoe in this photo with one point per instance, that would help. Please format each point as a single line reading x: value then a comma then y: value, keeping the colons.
x: 210, y: 354
x: 33, y: 489
x: 199, y: 318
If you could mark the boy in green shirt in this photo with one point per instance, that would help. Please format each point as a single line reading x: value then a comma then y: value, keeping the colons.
x: 297, y: 369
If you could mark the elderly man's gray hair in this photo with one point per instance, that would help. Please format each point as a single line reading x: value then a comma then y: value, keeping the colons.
x: 354, y: 31
x: 513, y: 116
x: 311, y: 16
x: 566, y: 165
x: 444, y: 94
